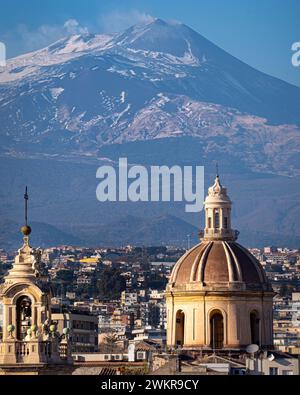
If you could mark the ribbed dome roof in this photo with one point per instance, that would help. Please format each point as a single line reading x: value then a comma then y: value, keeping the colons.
x: 218, y: 262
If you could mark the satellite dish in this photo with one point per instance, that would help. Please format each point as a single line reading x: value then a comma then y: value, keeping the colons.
x: 252, y: 348
x: 271, y: 357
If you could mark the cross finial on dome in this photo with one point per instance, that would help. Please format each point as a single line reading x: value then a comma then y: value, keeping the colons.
x: 217, y: 187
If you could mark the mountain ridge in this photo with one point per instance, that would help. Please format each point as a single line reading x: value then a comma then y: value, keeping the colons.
x: 160, y: 87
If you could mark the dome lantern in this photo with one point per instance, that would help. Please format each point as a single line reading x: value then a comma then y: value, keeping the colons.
x: 217, y: 208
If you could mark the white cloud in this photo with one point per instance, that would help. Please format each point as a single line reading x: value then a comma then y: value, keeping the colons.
x: 24, y: 40
x: 117, y: 21
x: 72, y: 26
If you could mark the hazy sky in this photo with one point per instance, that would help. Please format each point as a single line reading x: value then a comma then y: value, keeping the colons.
x: 259, y: 32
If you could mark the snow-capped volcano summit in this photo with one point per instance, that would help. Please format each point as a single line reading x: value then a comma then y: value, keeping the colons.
x: 153, y: 81
x: 157, y: 36
x: 172, y: 38
x: 158, y: 93
x: 80, y: 43
x: 61, y: 51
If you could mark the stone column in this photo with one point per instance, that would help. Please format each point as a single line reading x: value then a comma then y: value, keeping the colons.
x: 233, y: 325
x: 221, y: 214
x: 229, y: 218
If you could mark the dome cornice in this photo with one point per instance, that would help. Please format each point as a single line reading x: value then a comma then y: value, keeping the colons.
x: 198, y: 294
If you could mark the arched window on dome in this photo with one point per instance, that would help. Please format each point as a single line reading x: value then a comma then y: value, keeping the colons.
x: 24, y: 313
x: 179, y: 328
x: 255, y: 327
x: 216, y: 330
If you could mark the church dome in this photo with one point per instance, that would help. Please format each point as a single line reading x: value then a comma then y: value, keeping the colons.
x: 216, y: 263
x: 218, y: 296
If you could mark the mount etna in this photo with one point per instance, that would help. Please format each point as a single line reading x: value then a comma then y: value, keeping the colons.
x: 158, y: 94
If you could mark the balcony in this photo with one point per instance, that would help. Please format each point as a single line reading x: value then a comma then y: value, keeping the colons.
x: 32, y: 352
x: 26, y: 352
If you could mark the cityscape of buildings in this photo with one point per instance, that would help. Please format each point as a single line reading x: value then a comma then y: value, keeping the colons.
x: 110, y: 305
x: 137, y: 308
x: 117, y: 115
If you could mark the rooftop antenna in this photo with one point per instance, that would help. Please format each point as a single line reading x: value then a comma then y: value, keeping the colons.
x: 217, y: 169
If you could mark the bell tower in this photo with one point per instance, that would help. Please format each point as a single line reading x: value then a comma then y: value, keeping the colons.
x: 29, y: 337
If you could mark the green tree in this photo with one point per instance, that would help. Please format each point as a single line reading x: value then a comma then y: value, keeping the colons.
x: 110, y: 284
x: 110, y: 342
x: 65, y: 276
x: 286, y: 290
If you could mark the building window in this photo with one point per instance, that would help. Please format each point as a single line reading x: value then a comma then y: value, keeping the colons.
x: 225, y: 223
x: 179, y: 334
x: 216, y: 330
x: 273, y: 371
x: 209, y: 222
x: 254, y: 326
x: 217, y: 220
